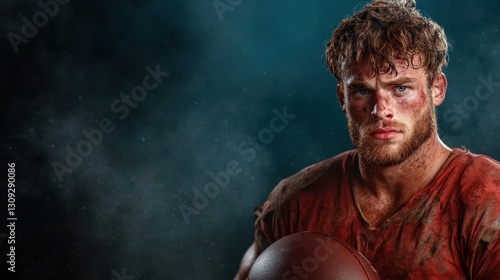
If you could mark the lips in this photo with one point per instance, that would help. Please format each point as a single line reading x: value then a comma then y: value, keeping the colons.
x: 385, y: 133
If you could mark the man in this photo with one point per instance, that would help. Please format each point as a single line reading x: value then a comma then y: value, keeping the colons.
x: 413, y: 207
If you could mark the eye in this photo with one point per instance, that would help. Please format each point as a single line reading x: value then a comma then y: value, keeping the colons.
x: 362, y: 91
x: 401, y: 89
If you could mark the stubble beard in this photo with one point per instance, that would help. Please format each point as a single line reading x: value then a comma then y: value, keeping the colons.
x: 386, y: 153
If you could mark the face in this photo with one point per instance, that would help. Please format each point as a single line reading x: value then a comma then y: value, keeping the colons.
x: 390, y: 115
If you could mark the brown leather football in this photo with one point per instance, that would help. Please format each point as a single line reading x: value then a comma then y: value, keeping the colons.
x: 308, y: 255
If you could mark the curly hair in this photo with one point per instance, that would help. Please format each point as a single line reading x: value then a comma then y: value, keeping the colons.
x: 385, y: 31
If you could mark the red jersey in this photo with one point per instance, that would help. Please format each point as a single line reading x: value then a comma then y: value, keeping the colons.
x: 448, y: 230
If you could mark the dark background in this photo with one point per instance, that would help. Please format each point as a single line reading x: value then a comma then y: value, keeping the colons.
x: 117, y: 213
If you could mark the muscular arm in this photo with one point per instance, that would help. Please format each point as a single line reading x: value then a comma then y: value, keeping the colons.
x: 246, y: 263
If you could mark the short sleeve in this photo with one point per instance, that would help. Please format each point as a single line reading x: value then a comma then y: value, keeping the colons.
x: 481, y: 226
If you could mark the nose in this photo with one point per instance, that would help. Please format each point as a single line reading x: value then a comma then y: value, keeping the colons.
x: 382, y: 108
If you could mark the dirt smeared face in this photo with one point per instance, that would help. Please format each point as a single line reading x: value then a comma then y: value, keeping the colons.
x: 389, y: 115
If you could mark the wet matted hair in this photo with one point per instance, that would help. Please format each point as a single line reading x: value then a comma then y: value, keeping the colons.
x: 384, y: 31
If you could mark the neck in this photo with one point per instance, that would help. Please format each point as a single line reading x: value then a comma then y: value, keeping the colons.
x: 400, y: 182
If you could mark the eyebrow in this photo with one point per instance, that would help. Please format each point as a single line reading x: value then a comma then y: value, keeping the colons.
x: 399, y: 81
x: 359, y: 84
x: 356, y: 85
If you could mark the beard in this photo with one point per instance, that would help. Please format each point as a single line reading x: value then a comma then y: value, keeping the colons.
x: 386, y: 153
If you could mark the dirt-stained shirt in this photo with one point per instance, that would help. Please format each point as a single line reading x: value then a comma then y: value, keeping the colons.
x: 448, y: 230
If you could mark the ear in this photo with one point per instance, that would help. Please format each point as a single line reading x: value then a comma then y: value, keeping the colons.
x: 340, y: 96
x: 438, y: 89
